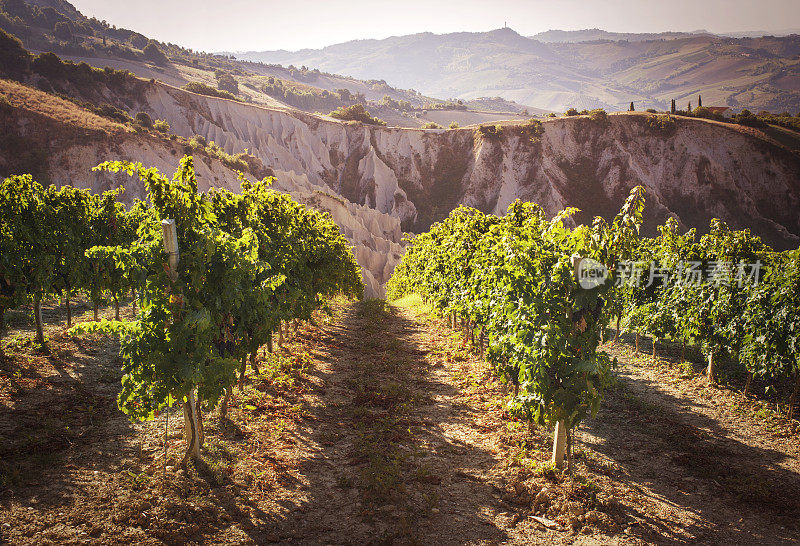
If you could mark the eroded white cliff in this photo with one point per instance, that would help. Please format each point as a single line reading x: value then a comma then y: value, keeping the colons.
x: 695, y: 170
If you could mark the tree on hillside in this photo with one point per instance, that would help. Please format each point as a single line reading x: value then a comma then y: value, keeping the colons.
x: 672, y: 107
x: 154, y: 54
x: 631, y: 109
x: 48, y: 64
x: 137, y: 40
x: 13, y: 57
x: 699, y: 101
x: 345, y: 94
x: 226, y: 82
x: 63, y: 31
x: 689, y: 107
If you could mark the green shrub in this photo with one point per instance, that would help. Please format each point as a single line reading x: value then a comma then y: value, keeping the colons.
x: 551, y: 115
x: 491, y: 131
x: 785, y: 120
x: 144, y: 119
x: 661, y: 123
x: 161, y: 126
x: 445, y: 105
x: 431, y: 125
x: 198, y: 142
x: 651, y: 110
x: 598, y: 115
x: 453, y: 125
x: 107, y: 111
x: 49, y: 65
x: 572, y: 112
x: 703, y: 112
x: 356, y: 112
x: 746, y: 117
x: 138, y: 41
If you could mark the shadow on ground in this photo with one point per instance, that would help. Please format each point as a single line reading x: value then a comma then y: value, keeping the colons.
x: 664, y: 449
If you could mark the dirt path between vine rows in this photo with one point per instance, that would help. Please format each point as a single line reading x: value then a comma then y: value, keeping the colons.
x: 379, y: 424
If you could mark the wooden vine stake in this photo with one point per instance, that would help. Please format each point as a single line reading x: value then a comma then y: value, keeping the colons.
x: 559, y: 444
x: 191, y: 425
x: 560, y: 436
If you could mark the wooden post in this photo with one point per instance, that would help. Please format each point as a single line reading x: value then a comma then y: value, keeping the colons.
x: 95, y: 303
x: 37, y: 315
x: 710, y: 369
x: 171, y: 246
x: 69, y: 309
x: 191, y: 423
x: 191, y: 426
x: 559, y: 444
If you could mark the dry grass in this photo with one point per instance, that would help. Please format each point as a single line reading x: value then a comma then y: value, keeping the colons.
x: 30, y: 99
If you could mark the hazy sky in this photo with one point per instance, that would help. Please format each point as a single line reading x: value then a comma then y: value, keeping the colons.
x: 238, y: 25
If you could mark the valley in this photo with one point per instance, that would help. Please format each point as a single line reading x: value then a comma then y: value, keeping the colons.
x: 489, y: 287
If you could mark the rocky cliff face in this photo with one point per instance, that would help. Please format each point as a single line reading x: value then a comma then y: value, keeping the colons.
x: 692, y: 169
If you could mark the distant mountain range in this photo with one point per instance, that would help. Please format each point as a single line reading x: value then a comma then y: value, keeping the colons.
x: 585, y: 69
x: 594, y: 34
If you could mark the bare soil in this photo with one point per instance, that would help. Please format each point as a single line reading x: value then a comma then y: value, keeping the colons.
x: 379, y: 424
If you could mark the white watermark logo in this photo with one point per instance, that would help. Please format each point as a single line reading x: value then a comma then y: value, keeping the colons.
x: 591, y: 273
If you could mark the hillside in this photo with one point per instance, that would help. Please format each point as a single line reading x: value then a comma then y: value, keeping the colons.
x: 56, y: 26
x: 694, y: 169
x: 754, y: 73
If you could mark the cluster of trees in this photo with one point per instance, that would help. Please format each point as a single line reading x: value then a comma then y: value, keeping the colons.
x: 309, y: 98
x: 531, y: 130
x: 154, y: 54
x: 69, y: 32
x: 727, y: 292
x: 226, y: 82
x: 597, y: 114
x: 214, y: 274
x: 445, y: 105
x: 204, y: 89
x: 356, y: 112
x: 512, y: 281
x: 399, y: 105
x: 17, y: 63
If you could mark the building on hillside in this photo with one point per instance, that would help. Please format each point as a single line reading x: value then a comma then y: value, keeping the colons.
x: 721, y: 110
